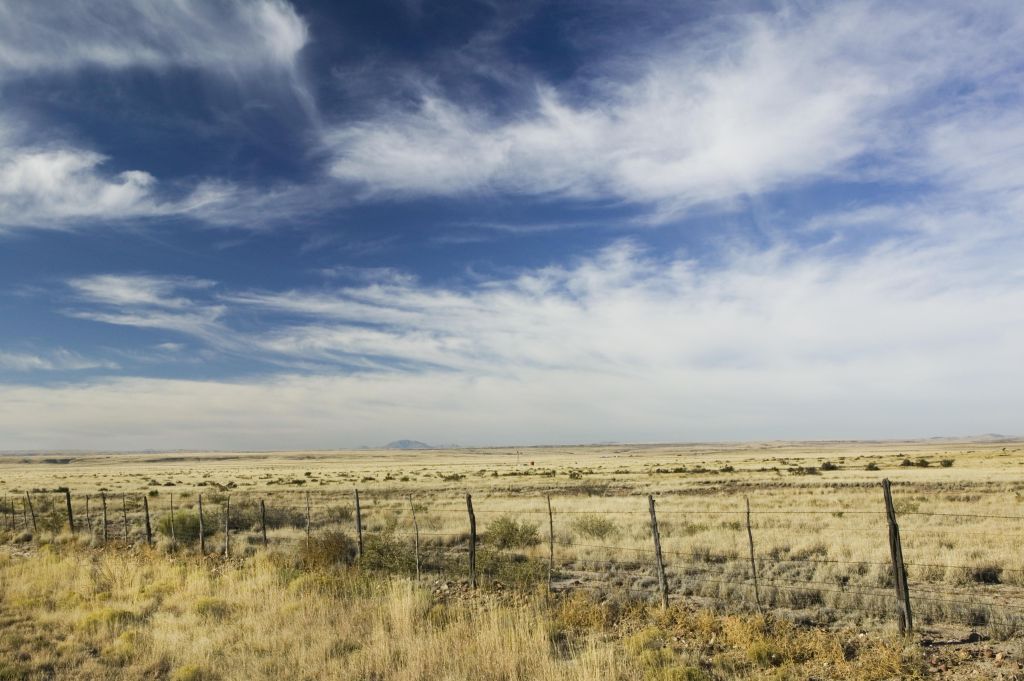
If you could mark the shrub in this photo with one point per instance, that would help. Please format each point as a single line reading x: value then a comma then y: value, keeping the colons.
x: 946, y: 463
x: 906, y: 463
x: 327, y: 549
x: 829, y: 466
x: 922, y: 463
x: 186, y: 526
x: 506, y: 533
x: 382, y: 551
x: 871, y: 466
x: 595, y: 526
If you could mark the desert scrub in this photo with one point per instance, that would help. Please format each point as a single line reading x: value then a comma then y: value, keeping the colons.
x: 186, y: 526
x: 595, y: 526
x: 505, y: 532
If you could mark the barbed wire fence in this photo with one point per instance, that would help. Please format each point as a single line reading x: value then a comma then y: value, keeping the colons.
x: 399, y: 533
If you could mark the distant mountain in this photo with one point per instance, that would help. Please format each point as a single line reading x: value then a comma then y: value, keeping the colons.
x: 407, y: 444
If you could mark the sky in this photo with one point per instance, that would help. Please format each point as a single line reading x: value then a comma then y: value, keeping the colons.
x: 263, y: 224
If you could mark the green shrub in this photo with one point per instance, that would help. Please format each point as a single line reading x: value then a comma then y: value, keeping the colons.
x: 871, y: 466
x: 507, y: 533
x: 595, y: 526
x: 383, y: 551
x: 922, y: 463
x: 946, y: 463
x: 327, y: 549
x: 906, y: 463
x: 186, y: 525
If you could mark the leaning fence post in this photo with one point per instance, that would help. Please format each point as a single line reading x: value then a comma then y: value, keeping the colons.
x: 149, y: 528
x: 472, y: 541
x: 31, y: 510
x: 657, y: 553
x: 359, y: 525
x: 307, y: 519
x: 88, y: 515
x: 551, y: 544
x: 202, y: 529
x: 263, y: 522
x: 124, y: 517
x: 753, y: 563
x: 416, y: 535
x: 174, y: 539
x: 103, y: 500
x: 906, y: 622
x: 71, y: 514
x: 227, y: 526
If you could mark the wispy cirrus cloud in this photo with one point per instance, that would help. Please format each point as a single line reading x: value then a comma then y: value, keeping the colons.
x: 231, y: 36
x: 770, y: 102
x: 622, y: 344
x: 63, y: 183
x: 56, y: 360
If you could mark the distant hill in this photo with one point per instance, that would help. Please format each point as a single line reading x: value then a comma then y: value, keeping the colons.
x: 407, y: 444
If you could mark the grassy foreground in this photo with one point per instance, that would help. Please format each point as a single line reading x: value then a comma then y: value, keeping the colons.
x: 68, y: 611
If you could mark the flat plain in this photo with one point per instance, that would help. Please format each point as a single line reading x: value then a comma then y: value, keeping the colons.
x: 570, y: 592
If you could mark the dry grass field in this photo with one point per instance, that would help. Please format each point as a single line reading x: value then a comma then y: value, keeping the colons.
x: 76, y: 606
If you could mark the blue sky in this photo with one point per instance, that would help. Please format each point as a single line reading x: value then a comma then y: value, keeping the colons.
x: 266, y: 224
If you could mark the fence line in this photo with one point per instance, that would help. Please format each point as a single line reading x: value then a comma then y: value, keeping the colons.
x: 668, y: 574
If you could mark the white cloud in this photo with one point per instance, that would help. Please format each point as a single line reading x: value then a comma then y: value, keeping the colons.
x: 909, y: 338
x: 57, y: 360
x: 150, y: 302
x: 230, y: 36
x: 773, y: 101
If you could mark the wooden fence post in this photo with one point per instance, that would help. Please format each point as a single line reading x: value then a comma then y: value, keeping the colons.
x: 416, y: 531
x: 103, y: 501
x: 472, y: 541
x: 263, y: 522
x: 174, y: 539
x: 71, y: 514
x: 753, y: 562
x: 657, y: 553
x: 149, y: 528
x: 551, y: 543
x: 906, y: 621
x: 88, y: 515
x: 227, y: 526
x: 307, y: 519
x: 24, y: 514
x: 202, y: 529
x: 124, y: 517
x: 359, y: 525
x: 31, y: 510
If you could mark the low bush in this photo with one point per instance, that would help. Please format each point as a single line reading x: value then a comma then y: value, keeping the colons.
x: 186, y: 526
x: 506, y: 532
x: 595, y: 526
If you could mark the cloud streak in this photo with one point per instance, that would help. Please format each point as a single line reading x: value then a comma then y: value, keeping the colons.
x: 770, y: 102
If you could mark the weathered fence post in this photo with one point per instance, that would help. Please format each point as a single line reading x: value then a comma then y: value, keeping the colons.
x: 31, y: 510
x: 472, y: 541
x: 753, y: 562
x: 24, y: 514
x: 88, y: 515
x: 263, y: 522
x: 416, y: 536
x: 551, y: 544
x: 149, y: 528
x: 906, y: 622
x: 174, y: 539
x: 103, y: 501
x: 124, y: 517
x: 307, y: 519
x: 359, y: 525
x: 202, y: 529
x: 71, y: 514
x: 227, y: 526
x: 657, y: 553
